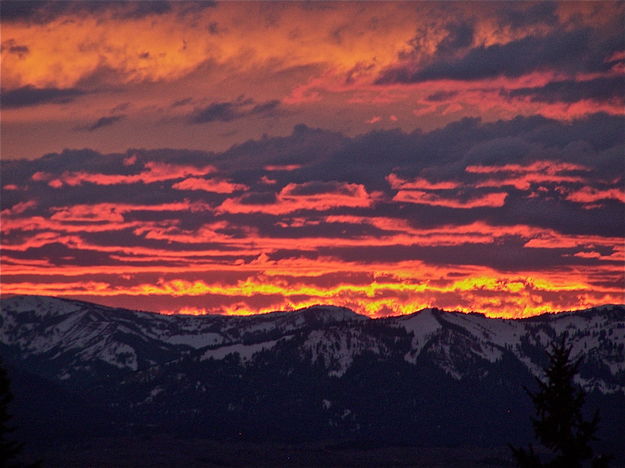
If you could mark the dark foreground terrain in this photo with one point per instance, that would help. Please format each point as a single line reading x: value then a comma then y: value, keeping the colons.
x: 169, y: 452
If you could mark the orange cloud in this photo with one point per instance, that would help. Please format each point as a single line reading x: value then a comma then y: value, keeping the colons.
x: 114, y: 212
x: 485, y: 98
x: 282, y: 167
x: 155, y: 172
x: 18, y: 208
x: 522, y: 177
x: 209, y: 185
x: 170, y: 46
x: 587, y: 195
x: 493, y: 200
x: 525, y: 182
x: 306, y: 196
x: 540, y: 167
x: 420, y: 183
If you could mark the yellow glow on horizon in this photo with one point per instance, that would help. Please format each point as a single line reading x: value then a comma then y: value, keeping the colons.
x: 510, y: 297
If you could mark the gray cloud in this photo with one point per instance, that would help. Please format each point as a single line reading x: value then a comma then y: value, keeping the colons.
x: 521, y: 15
x: 567, y: 51
x: 41, y: 11
x: 441, y: 96
x: 102, y: 122
x: 27, y: 96
x: 13, y: 47
x: 598, y: 89
x: 227, y: 111
x: 459, y: 36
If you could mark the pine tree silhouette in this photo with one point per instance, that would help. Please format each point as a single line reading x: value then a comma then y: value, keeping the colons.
x: 559, y: 424
x: 8, y: 449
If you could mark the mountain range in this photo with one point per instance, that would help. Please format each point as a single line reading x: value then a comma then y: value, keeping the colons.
x: 432, y: 378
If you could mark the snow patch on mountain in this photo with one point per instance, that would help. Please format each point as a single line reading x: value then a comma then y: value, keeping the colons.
x: 195, y: 341
x: 336, y: 348
x: 244, y: 351
x: 41, y: 306
x: 116, y: 354
x: 422, y: 325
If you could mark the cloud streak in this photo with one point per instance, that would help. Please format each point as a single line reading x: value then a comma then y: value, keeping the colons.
x: 229, y: 111
x: 103, y: 122
x: 28, y: 96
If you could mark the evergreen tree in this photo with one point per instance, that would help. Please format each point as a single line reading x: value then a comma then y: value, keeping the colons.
x: 559, y: 424
x: 8, y: 449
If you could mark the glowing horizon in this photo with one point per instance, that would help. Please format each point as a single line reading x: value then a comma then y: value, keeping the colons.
x: 247, y: 157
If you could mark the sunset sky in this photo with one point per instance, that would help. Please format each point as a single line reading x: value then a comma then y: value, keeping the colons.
x: 244, y: 157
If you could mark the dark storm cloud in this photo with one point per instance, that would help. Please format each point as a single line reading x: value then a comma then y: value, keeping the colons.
x: 565, y: 217
x: 27, y: 96
x: 335, y: 230
x: 45, y: 11
x: 102, y: 122
x: 126, y: 238
x: 227, y: 111
x: 265, y: 107
x: 217, y: 111
x: 599, y: 131
x: 459, y: 36
x: 329, y: 157
x: 60, y: 254
x: 567, y: 51
x: 519, y: 15
x: 24, y: 10
x: 509, y: 255
x: 129, y: 162
x: 304, y: 146
x: 598, y: 89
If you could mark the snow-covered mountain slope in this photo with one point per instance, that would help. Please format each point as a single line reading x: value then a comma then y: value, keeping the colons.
x: 597, y: 336
x: 319, y: 373
x: 64, y: 339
